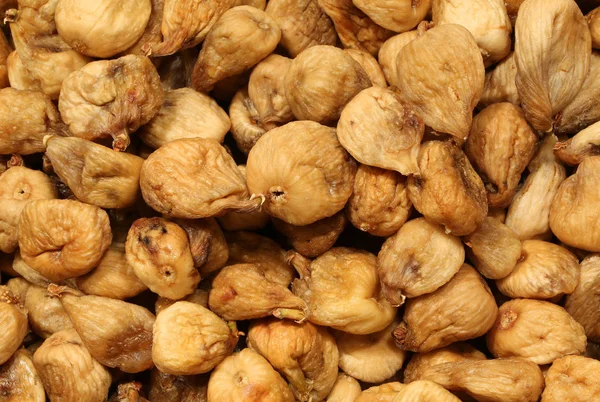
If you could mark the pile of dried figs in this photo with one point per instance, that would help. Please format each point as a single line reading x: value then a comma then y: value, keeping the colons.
x: 299, y: 200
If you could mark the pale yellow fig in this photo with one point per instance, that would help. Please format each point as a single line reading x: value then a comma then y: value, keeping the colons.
x: 200, y: 297
x: 536, y: 330
x: 5, y: 50
x: 171, y: 388
x: 584, y: 303
x: 395, y: 15
x: 572, y: 378
x: 345, y: 389
x: 246, y: 128
x: 500, y: 83
x: 424, y: 391
x: 13, y: 320
x: 417, y: 260
x: 369, y: 64
x: 593, y: 21
x: 380, y: 130
x: 10, y: 212
x: 552, y: 53
x: 19, y: 76
x: 585, y: 143
x: 21, y: 183
x: 30, y: 274
x: 443, y: 80
x: 20, y: 380
x: 18, y: 287
x: 45, y: 312
x: 260, y: 4
x: 380, y: 393
x: 151, y: 35
x: 390, y: 50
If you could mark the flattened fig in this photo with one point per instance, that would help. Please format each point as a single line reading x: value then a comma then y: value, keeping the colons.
x: 572, y: 378
x: 19, y: 379
x: 395, y: 15
x: 45, y: 312
x: 584, y: 303
x: 246, y: 127
x: 345, y: 389
x: 207, y: 244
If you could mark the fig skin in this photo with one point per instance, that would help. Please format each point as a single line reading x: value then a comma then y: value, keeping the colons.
x: 345, y: 389
x: 500, y: 83
x: 200, y: 297
x: 397, y: 16
x: 585, y: 143
x: 381, y: 393
x: 5, y: 50
x: 20, y: 380
x: 572, y: 378
x: 390, y: 50
x: 207, y: 244
x: 246, y: 127
x: 13, y: 318
x: 583, y: 304
x: 45, y: 312
x: 170, y: 388
x: 23, y: 184
x: 370, y: 65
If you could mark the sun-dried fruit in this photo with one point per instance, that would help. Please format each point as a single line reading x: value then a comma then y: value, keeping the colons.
x: 10, y: 212
x: 512, y: 8
x: 572, y: 378
x: 593, y: 21
x: 397, y: 15
x: 45, y: 312
x: 584, y: 303
x: 20, y: 381
x: 345, y: 389
x: 30, y: 274
x: 552, y: 53
x: 207, y: 244
x: 128, y: 392
x: 302, y: 171
x: 389, y: 52
x: 425, y: 391
x: 13, y: 320
x: 305, y: 354
x: 169, y: 388
x: 370, y: 65
x: 176, y: 71
x: 585, y: 143
x: 246, y: 128
x: 200, y: 297
x: 380, y: 393
x: 23, y: 184
x: 19, y: 76
x: 17, y: 286
x: 431, y: 321
x: 260, y: 4
x: 536, y: 330
x: 500, y: 83
x: 5, y: 50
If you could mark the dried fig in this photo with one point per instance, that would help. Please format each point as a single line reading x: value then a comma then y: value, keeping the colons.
x: 593, y: 21
x: 380, y: 393
x: 302, y: 171
x: 19, y: 76
x: 23, y: 184
x: 389, y: 52
x: 378, y: 129
x: 321, y: 81
x: 395, y: 15
x: 233, y: 221
x: 448, y: 191
x: 45, y: 312
x: 584, y: 303
x: 585, y: 143
x: 170, y: 388
x: 30, y: 274
x: 572, y: 378
x: 535, y: 330
x: 207, y: 244
x: 552, y: 53
x: 303, y: 24
x: 185, y: 114
x: 241, y: 38
x: 111, y: 98
x: 128, y: 392
x: 425, y: 391
x: 305, y: 354
x: 18, y: 287
x: 20, y: 381
x: 512, y: 8
x: 443, y: 81
x: 5, y: 50
x: 62, y: 238
x: 152, y: 33
x: 260, y: 4
x: 369, y: 64
x: 431, y: 322
x: 13, y: 320
x: 68, y: 371
x: 345, y: 389
x: 245, y: 121
x: 247, y: 376
x: 500, y: 83
x: 176, y: 71
x: 342, y: 291
x: 10, y: 212
x: 200, y: 297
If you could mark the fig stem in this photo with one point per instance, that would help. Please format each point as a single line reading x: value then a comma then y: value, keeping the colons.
x: 296, y: 315
x: 15, y: 160
x: 121, y: 141
x: 300, y: 263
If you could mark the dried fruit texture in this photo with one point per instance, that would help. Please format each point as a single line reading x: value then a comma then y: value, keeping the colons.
x: 207, y: 244
x: 5, y: 50
x: 241, y: 38
x: 493, y: 248
x: 355, y: 29
x: 370, y: 358
x: 10, y: 212
x: 152, y: 33
x: 128, y: 392
x: 342, y: 291
x: 496, y: 380
x: 417, y: 260
x: 185, y: 114
x: 176, y: 71
x: 20, y: 381
x: 170, y: 388
x: 369, y: 64
x: 303, y: 24
x: 18, y: 287
x: 25, y: 118
x: 585, y: 143
x: 593, y: 21
x: 545, y: 270
x: 446, y: 102
x: 62, y: 238
x: 111, y: 98
x: 378, y: 129
x: 225, y: 90
x: 321, y: 81
x: 345, y: 389
x: 305, y: 354
x: 159, y: 252
x: 252, y: 248
x: 200, y: 297
x: 500, y: 83
x: 30, y: 274
x: 448, y: 192
x: 190, y: 339
x: 13, y: 320
x: 18, y: 75
x: 397, y: 16
x: 574, y: 207
x: 23, y: 184
x: 424, y: 391
x: 266, y: 90
x: 302, y: 171
x: 45, y: 312
x: 389, y: 52
x: 583, y: 304
x: 314, y: 239
x: 381, y: 393
x: 552, y: 52
x: 186, y: 23
x: 528, y: 213
x: 572, y: 378
x: 68, y: 371
x: 260, y: 4
x: 535, y: 330
x: 431, y: 322
x: 247, y: 376
x: 102, y: 29
x: 245, y: 121
x: 210, y: 186
x: 512, y: 8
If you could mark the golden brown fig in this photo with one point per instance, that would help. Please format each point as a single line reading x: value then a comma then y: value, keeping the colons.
x: 210, y: 186
x: 302, y: 171
x: 5, y: 50
x: 303, y: 24
x: 200, y: 297
x: 18, y: 287
x: 13, y: 320
x: 389, y: 52
x: 170, y: 388
x: 572, y: 378
x: 10, y: 212
x: 68, y: 371
x: 574, y: 207
x: 159, y: 252
x: 585, y: 143
x: 448, y: 192
x: 381, y: 393
x: 176, y: 70
x: 431, y: 322
x: 345, y: 389
x: 260, y: 4
x: 493, y: 248
x: 442, y: 81
x: 207, y: 244
x: 62, y: 238
x: 30, y: 274
x: 111, y: 98
x: 425, y: 391
x: 19, y: 76
x: 552, y: 52
x: 593, y: 21
x: 314, y: 239
x: 25, y: 118
x: 245, y: 121
x: 20, y: 381
x: 190, y: 339
x: 355, y: 29
x: 21, y: 183
x: 185, y: 114
x: 305, y: 354
x: 500, y: 145
x: 246, y: 376
x: 535, y: 330
x: 128, y: 392
x: 583, y: 304
x: 244, y: 291
x: 45, y: 312
x: 500, y: 83
x: 151, y: 35
x: 378, y: 129
x: 342, y: 291
x: 418, y: 259
x: 369, y: 64
x: 241, y: 38
x: 397, y: 16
